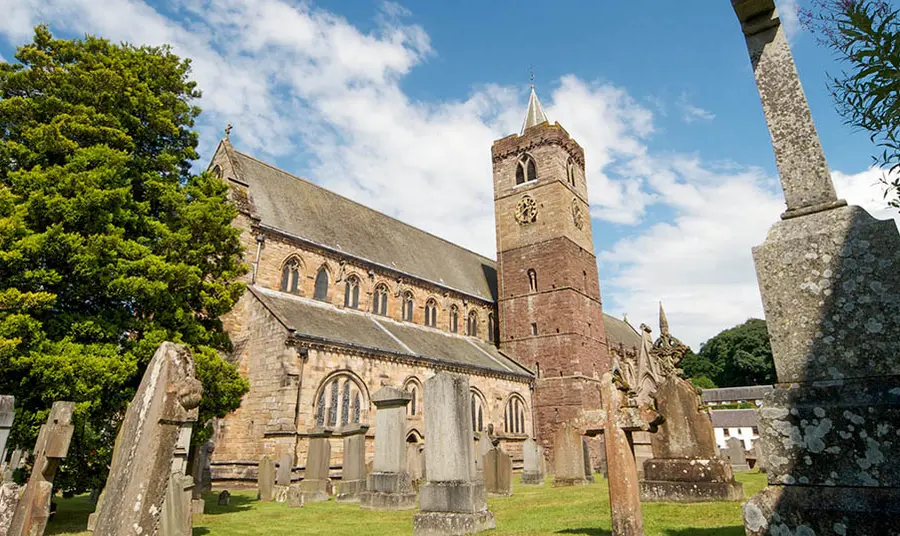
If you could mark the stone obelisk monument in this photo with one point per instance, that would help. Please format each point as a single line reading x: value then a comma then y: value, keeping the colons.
x: 829, y: 275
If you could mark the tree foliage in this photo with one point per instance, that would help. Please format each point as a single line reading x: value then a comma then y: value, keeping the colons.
x: 108, y: 244
x: 737, y: 356
x: 865, y: 35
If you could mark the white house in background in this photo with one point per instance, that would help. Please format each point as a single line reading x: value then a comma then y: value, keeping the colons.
x: 740, y: 423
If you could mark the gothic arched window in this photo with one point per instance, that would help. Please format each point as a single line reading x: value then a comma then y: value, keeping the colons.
x: 321, y: 290
x: 431, y: 313
x: 477, y: 406
x: 414, y: 388
x: 492, y: 336
x: 570, y: 171
x: 514, y: 415
x: 217, y: 171
x: 526, y: 171
x: 379, y: 300
x: 351, y: 292
x: 340, y: 401
x: 454, y: 318
x: 472, y: 324
x: 532, y: 280
x: 408, y: 306
x: 290, y: 276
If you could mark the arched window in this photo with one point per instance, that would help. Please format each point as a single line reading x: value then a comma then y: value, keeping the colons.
x: 217, y: 171
x: 472, y: 324
x: 431, y: 313
x: 454, y: 318
x: 351, y: 292
x: 570, y: 171
x: 414, y: 388
x: 532, y: 280
x: 526, y: 171
x: 321, y: 291
x: 408, y: 305
x: 477, y: 405
x: 290, y: 276
x: 492, y: 336
x: 380, y: 299
x: 514, y: 415
x: 340, y: 401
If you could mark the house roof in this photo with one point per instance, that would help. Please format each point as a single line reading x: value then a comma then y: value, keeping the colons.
x: 620, y: 332
x: 736, y: 394
x: 310, y: 319
x: 734, y: 418
x: 303, y: 209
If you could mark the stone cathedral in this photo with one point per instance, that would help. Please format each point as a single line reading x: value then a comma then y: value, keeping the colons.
x: 337, y: 307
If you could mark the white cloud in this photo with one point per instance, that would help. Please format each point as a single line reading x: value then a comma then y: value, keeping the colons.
x: 691, y: 113
x: 789, y: 12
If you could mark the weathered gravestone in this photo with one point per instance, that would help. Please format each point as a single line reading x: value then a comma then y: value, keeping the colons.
x: 389, y: 486
x: 532, y: 463
x: 177, y: 507
x: 829, y: 276
x: 760, y: 461
x: 144, y: 460
x: 568, y: 457
x: 265, y: 479
x: 735, y: 454
x: 15, y: 461
x: 33, y: 510
x: 315, y: 483
x: 498, y: 472
x: 588, y: 464
x: 202, y: 476
x: 452, y: 500
x: 353, y: 474
x: 7, y: 414
x: 684, y: 467
x: 283, y: 477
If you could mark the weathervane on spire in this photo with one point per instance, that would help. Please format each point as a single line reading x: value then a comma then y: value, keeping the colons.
x: 531, y: 67
x: 535, y: 114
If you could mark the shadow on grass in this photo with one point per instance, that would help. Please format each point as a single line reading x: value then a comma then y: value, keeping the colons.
x: 718, y: 531
x: 200, y: 531
x: 585, y: 532
x: 237, y: 503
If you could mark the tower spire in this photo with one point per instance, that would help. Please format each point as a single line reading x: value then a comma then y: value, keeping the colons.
x: 535, y: 114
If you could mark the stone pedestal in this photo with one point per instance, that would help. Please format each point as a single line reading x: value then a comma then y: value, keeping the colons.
x: 497, y: 473
x: 532, y: 463
x: 452, y: 501
x: 353, y: 475
x: 568, y: 457
x: 689, y: 480
x: 314, y: 485
x: 389, y: 486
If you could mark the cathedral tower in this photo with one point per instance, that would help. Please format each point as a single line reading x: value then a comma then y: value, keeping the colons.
x: 551, y: 319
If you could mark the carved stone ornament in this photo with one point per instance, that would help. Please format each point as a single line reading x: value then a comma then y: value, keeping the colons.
x: 577, y: 214
x: 526, y: 210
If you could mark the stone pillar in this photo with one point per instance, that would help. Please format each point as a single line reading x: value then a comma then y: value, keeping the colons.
x: 33, y: 510
x: 314, y: 486
x: 7, y: 414
x: 532, y: 463
x: 452, y: 501
x: 353, y: 474
x: 265, y: 479
x: 568, y: 457
x: 829, y: 276
x: 497, y: 473
x: 389, y: 486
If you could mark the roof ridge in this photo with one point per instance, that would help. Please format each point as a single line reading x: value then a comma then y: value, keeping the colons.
x: 320, y: 187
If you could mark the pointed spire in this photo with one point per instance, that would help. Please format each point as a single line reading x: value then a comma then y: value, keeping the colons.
x: 535, y: 114
x: 663, y: 321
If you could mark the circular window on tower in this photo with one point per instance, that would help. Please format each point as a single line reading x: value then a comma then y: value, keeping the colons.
x: 526, y: 210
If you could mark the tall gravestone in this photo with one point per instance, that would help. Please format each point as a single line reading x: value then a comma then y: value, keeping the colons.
x: 532, y: 463
x: 389, y: 486
x: 165, y: 404
x: 452, y: 500
x: 7, y: 415
x: 202, y: 476
x: 265, y: 479
x: 684, y: 467
x: 829, y: 275
x: 353, y: 474
x: 33, y: 509
x: 497, y: 472
x: 285, y: 468
x: 176, y: 510
x: 588, y: 463
x: 568, y: 457
x: 314, y: 486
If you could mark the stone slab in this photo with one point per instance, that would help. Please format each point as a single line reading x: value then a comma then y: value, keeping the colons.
x: 285, y: 468
x: 690, y: 492
x: 378, y: 500
x: 460, y: 497
x: 687, y: 431
x: 280, y: 493
x: 688, y: 470
x: 265, y: 479
x: 295, y: 498
x: 498, y: 473
x: 452, y: 524
x: 314, y: 490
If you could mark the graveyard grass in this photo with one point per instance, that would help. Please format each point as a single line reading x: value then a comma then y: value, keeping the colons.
x: 532, y: 510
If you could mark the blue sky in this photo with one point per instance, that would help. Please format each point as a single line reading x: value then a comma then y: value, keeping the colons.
x: 395, y: 105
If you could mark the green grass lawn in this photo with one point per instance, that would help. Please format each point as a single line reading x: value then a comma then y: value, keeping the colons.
x: 532, y: 510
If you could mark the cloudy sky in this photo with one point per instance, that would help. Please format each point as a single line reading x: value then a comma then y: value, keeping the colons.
x: 396, y: 105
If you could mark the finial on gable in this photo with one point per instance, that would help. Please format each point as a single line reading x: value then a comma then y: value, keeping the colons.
x: 228, y: 128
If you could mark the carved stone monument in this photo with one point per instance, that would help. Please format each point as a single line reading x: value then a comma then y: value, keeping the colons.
x: 142, y: 466
x: 829, y: 275
x: 33, y: 510
x: 389, y: 486
x: 353, y: 476
x: 532, y: 463
x: 315, y: 483
x: 452, y: 500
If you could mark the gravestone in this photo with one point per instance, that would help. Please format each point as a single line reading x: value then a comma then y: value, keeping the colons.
x: 15, y: 461
x: 735, y: 454
x: 757, y: 455
x: 389, y: 486
x: 532, y: 463
x: 483, y: 445
x: 177, y: 505
x: 265, y: 479
x: 164, y: 406
x: 588, y: 465
x: 415, y: 461
x: 568, y: 457
x: 829, y: 276
x: 498, y: 473
x: 7, y: 414
x: 684, y: 467
x: 452, y: 500
x: 285, y: 467
x: 353, y: 475
x: 202, y: 476
x: 33, y: 509
x: 316, y: 481
x: 224, y: 498
x: 295, y: 496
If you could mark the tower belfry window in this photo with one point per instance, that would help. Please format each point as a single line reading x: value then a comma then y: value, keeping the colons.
x: 526, y: 170
x: 570, y: 171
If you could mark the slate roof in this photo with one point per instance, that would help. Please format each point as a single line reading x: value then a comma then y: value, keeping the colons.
x: 735, y: 418
x: 313, y: 320
x: 736, y: 394
x: 619, y: 331
x: 303, y: 209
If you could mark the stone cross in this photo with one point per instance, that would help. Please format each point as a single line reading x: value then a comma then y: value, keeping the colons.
x: 353, y: 473
x: 798, y: 153
x: 144, y: 459
x: 33, y: 510
x: 452, y: 500
x: 7, y: 414
x: 618, y: 418
x: 389, y: 486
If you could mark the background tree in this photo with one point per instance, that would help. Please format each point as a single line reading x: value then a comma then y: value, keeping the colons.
x: 737, y: 356
x: 108, y: 244
x: 865, y: 36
